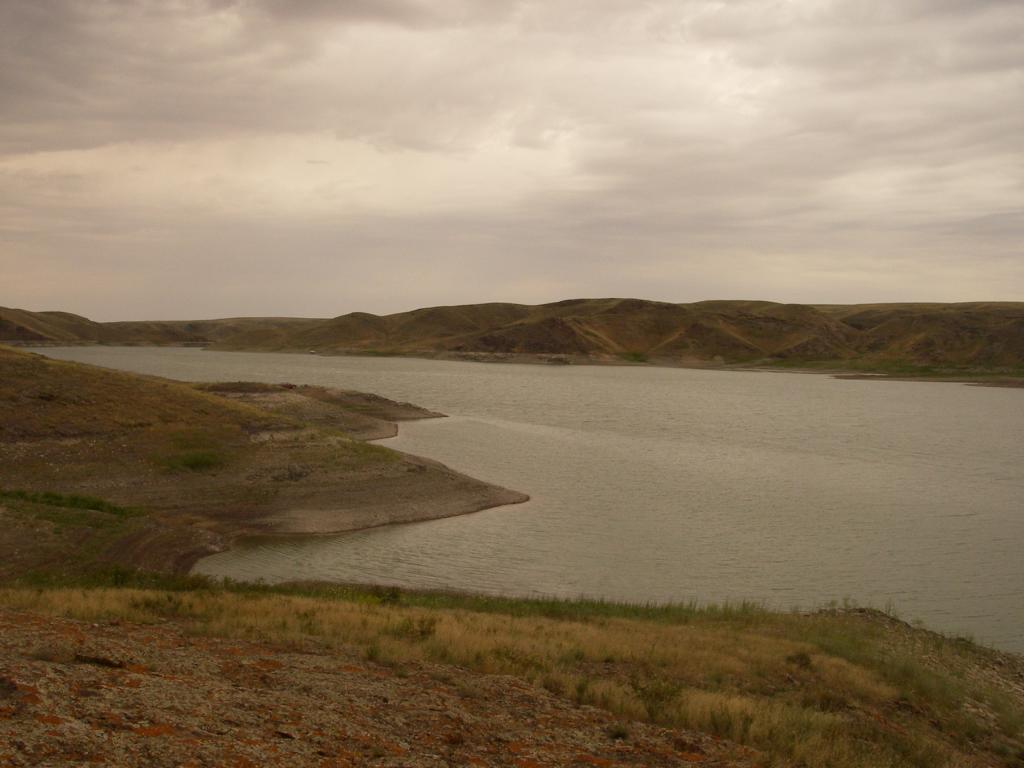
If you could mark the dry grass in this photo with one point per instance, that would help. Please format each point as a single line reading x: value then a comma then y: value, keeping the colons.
x: 816, y: 691
x: 44, y: 398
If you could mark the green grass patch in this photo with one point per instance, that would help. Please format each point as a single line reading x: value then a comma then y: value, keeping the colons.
x: 195, y: 450
x: 71, y: 518
x: 69, y: 501
x: 744, y: 614
x: 904, y: 369
x: 116, y: 576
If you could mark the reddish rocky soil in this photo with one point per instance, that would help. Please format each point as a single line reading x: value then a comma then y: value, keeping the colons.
x: 75, y: 693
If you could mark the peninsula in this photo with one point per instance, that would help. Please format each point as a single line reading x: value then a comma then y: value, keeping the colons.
x: 183, y: 470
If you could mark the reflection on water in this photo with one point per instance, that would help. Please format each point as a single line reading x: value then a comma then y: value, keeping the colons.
x: 653, y: 484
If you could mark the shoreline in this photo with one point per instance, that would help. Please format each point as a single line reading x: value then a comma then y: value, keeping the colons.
x: 298, y: 523
x: 983, y: 378
x: 369, y: 418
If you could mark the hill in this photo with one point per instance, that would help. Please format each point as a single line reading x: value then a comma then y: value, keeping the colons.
x: 99, y: 467
x: 983, y: 336
x: 21, y: 326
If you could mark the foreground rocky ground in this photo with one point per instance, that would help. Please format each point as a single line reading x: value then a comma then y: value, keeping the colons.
x: 73, y: 692
x: 199, y: 674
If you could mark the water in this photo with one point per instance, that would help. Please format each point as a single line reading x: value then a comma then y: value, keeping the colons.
x: 655, y: 484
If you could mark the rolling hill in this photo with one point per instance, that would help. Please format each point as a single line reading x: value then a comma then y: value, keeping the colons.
x: 183, y: 470
x: 25, y: 327
x: 986, y: 335
x: 979, y: 335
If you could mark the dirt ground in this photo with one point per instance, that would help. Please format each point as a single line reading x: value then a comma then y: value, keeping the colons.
x: 126, y: 695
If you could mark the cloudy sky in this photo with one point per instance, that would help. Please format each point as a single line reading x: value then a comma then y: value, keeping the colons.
x: 205, y: 158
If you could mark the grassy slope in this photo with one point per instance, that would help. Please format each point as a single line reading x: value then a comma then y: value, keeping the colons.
x: 44, y: 398
x: 204, y: 468
x: 72, y: 430
x: 838, y: 689
x: 24, y: 326
x: 194, y: 331
x: 913, y: 338
x: 954, y: 336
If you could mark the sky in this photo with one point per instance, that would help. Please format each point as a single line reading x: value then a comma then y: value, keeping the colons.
x: 208, y: 158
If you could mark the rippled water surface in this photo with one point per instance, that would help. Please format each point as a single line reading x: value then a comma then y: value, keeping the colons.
x: 655, y: 484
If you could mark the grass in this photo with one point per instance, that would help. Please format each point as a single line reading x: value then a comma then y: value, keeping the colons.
x: 196, y: 450
x: 60, y: 534
x: 834, y: 689
x: 68, y: 501
x: 904, y: 369
x: 40, y: 397
x: 65, y: 520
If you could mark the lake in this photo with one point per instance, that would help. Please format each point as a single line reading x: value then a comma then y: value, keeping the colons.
x: 660, y: 484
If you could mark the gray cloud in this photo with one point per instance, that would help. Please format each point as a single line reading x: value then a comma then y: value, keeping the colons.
x: 400, y: 152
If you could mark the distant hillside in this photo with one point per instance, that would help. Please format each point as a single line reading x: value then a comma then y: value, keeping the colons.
x: 24, y: 327
x: 980, y: 334
x: 977, y: 335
